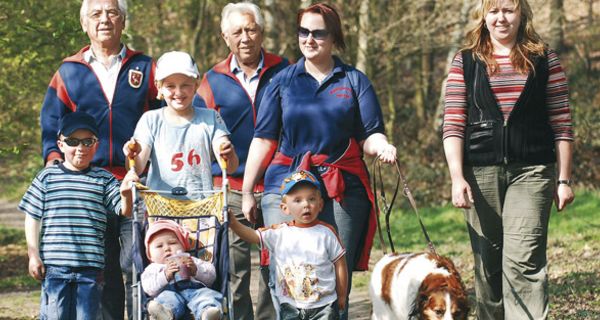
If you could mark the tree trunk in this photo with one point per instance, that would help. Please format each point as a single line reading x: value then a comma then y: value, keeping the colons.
x: 455, y: 44
x: 197, y: 27
x: 270, y: 27
x: 423, y: 70
x: 557, y: 14
x: 391, y: 112
x: 363, y: 37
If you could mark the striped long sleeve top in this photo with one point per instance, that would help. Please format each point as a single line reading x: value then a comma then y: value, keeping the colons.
x: 507, y: 85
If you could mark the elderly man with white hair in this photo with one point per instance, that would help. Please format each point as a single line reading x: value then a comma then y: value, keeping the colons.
x: 115, y: 85
x: 234, y: 87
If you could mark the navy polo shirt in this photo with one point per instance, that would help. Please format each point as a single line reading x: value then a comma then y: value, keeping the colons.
x: 316, y: 117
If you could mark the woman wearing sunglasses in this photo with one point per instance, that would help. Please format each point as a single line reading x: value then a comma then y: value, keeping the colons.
x: 320, y: 115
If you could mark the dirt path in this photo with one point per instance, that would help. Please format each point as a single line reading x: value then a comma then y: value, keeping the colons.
x: 25, y: 305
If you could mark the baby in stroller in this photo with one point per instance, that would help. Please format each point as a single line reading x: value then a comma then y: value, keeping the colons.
x: 176, y: 280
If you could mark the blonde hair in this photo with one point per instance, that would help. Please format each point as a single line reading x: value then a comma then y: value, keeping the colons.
x: 528, y: 43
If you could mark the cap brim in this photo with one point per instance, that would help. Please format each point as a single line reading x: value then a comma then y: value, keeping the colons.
x: 160, y: 77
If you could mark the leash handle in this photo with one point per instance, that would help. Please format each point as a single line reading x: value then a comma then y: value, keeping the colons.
x: 381, y: 241
x: 387, y: 210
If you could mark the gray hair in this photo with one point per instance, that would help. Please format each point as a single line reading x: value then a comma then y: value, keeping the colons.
x: 242, y: 8
x: 122, y: 4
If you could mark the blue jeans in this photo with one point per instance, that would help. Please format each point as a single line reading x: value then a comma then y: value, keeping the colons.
x: 328, y: 312
x: 350, y: 219
x: 193, y: 295
x: 71, y: 293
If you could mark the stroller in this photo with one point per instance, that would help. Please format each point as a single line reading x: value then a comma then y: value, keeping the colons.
x: 207, y: 222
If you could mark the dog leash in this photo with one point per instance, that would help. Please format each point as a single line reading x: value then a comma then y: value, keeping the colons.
x: 387, y: 210
x: 388, y: 207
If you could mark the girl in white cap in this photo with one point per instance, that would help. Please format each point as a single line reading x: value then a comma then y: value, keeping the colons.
x: 178, y: 138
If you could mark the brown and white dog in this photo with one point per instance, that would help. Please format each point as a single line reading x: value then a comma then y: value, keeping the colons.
x: 420, y: 286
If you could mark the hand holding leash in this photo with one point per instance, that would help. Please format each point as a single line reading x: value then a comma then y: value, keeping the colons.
x: 387, y: 154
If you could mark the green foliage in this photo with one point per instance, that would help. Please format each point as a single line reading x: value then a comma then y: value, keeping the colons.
x: 35, y: 36
x: 409, y: 42
x: 11, y: 236
x: 20, y: 282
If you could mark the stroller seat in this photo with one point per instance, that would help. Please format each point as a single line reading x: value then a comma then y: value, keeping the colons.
x: 206, y: 222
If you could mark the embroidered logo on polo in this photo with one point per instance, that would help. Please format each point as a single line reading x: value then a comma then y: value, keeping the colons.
x: 341, y: 92
x: 135, y: 78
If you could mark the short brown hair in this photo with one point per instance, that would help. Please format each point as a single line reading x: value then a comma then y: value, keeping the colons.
x: 332, y: 19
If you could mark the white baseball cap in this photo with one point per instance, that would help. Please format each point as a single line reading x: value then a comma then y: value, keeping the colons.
x: 176, y: 62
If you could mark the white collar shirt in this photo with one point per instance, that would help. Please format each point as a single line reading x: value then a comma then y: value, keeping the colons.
x: 106, y: 75
x: 250, y: 84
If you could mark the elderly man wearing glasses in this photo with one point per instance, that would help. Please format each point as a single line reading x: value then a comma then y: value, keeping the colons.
x: 115, y: 85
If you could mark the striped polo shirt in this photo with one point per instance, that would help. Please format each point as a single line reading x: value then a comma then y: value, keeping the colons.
x: 507, y: 85
x: 73, y: 208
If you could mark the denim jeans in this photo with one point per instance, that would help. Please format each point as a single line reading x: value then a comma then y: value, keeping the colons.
x: 349, y: 218
x: 328, y: 312
x: 71, y: 293
x: 188, y: 294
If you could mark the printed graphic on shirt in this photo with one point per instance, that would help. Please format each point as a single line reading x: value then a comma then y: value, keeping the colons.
x: 300, y: 283
x: 190, y: 158
x: 341, y: 92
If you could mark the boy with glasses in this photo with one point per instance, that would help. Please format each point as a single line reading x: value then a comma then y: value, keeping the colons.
x: 71, y: 201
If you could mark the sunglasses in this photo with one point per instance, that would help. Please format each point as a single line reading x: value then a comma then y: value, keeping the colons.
x: 74, y: 142
x: 317, y: 34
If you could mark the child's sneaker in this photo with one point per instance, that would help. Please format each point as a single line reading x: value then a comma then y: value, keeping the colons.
x: 157, y: 311
x: 211, y: 313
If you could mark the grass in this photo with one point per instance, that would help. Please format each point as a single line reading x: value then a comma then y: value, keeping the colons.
x: 573, y: 251
x: 11, y: 236
x: 573, y: 254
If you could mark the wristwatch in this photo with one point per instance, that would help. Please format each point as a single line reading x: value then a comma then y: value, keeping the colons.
x: 567, y: 182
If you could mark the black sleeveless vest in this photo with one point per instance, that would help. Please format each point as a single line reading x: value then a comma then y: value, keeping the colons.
x: 525, y: 137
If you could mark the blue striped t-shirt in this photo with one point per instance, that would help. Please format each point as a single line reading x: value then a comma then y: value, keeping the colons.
x: 73, y: 208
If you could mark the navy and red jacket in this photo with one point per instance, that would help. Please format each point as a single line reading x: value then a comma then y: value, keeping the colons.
x: 221, y: 90
x: 75, y: 86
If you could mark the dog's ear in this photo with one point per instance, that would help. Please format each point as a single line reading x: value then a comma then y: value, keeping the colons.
x: 417, y: 306
x: 422, y: 297
x: 457, y: 290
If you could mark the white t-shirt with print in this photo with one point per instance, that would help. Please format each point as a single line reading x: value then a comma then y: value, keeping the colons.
x: 303, y: 257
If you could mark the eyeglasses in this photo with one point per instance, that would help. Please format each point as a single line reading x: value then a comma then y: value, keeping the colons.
x: 317, y: 34
x: 74, y: 142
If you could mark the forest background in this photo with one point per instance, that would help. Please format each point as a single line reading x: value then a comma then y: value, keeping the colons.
x: 404, y: 46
